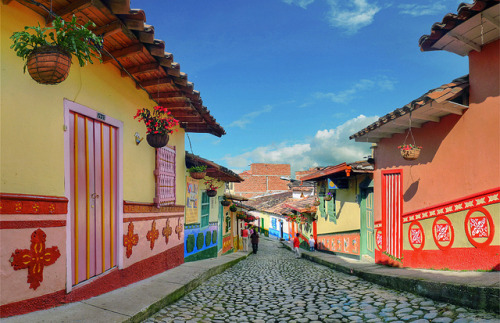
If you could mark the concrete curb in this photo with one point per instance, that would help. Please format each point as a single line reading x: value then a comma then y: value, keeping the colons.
x: 476, y: 297
x: 177, y: 294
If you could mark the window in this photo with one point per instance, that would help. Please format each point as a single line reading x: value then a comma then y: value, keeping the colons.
x: 205, y: 209
x: 165, y: 176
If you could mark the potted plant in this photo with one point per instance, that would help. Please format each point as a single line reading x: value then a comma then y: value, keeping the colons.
x: 198, y: 172
x: 316, y: 202
x: 233, y: 208
x: 159, y: 124
x: 47, y: 51
x: 225, y: 201
x: 410, y: 151
x: 328, y: 196
x: 211, y: 187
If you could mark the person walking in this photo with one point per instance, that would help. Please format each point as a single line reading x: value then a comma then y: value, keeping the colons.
x: 255, y: 241
x: 244, y: 235
x: 296, y: 245
x: 311, y: 243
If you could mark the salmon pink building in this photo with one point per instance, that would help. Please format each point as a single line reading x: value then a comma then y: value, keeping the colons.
x: 86, y: 205
x: 441, y: 210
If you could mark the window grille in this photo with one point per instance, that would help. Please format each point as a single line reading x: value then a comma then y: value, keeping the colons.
x: 205, y: 209
x: 165, y: 176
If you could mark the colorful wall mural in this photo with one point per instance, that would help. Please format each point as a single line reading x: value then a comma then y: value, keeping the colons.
x: 200, y: 243
x: 191, y: 200
x: 343, y: 243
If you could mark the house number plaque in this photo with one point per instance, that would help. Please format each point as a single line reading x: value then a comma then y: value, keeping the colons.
x: 101, y: 116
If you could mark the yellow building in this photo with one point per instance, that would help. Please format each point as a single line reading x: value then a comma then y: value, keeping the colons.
x: 83, y: 195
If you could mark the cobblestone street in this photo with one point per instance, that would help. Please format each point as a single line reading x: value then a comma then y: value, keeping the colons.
x: 274, y: 286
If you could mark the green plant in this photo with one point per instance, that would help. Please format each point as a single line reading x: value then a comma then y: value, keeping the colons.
x: 197, y: 169
x: 393, y: 257
x: 214, y: 236
x: 160, y: 121
x: 233, y: 208
x: 211, y: 184
x: 68, y: 36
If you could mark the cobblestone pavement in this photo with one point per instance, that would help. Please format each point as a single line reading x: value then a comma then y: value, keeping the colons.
x: 274, y: 286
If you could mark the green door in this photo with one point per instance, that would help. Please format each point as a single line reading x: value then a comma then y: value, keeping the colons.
x: 221, y: 223
x: 367, y: 235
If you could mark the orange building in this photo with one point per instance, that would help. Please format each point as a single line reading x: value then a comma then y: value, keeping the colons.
x: 440, y: 210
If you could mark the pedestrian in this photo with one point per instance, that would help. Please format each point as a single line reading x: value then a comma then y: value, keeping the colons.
x: 255, y: 241
x: 311, y: 243
x: 244, y: 236
x: 296, y: 245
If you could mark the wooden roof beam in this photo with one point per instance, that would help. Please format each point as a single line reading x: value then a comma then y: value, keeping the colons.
x: 156, y: 82
x: 170, y: 94
x: 140, y: 69
x: 414, y: 124
x: 119, y: 6
x: 425, y: 117
x: 451, y: 109
x: 124, y: 52
x: 71, y: 8
x: 466, y: 41
x: 489, y: 18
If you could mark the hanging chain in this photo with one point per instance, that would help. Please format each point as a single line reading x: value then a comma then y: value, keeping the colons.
x: 409, y: 133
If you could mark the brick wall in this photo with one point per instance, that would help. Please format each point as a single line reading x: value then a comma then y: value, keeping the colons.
x: 262, y: 179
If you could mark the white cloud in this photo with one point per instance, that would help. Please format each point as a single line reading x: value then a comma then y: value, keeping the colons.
x: 326, y: 147
x: 301, y: 3
x: 351, y: 15
x: 422, y: 9
x: 249, y: 117
x: 345, y: 96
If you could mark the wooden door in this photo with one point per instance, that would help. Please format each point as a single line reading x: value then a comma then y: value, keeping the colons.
x: 367, y: 223
x: 93, y: 194
x: 392, y: 210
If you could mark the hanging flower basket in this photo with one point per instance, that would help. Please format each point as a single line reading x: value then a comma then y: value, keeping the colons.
x: 225, y: 202
x: 410, y: 152
x: 198, y: 175
x: 328, y: 196
x: 316, y: 202
x: 233, y: 208
x: 157, y: 140
x: 211, y: 193
x: 48, y: 65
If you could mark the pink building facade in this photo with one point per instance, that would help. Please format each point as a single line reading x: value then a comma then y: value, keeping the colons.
x: 441, y: 210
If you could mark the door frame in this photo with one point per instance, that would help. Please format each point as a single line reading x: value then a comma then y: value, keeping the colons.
x: 364, y: 223
x: 70, y: 106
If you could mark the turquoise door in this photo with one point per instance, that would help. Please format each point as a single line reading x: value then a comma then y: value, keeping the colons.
x: 221, y: 223
x: 367, y: 231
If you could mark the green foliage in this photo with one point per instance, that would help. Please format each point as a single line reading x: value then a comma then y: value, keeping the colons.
x: 233, y: 208
x: 190, y: 243
x: 68, y: 36
x: 197, y: 169
x: 393, y: 257
x: 208, y: 238
x: 200, y: 241
x: 214, y: 236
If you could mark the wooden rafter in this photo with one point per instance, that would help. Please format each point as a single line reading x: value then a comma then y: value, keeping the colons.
x: 141, y: 69
x: 156, y: 82
x: 71, y: 8
x: 124, y: 52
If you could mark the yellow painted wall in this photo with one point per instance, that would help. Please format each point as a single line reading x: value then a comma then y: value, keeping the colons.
x: 32, y: 146
x: 347, y: 209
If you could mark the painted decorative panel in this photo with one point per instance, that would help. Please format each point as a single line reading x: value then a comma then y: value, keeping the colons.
x: 346, y: 243
x: 191, y: 200
x: 198, y: 240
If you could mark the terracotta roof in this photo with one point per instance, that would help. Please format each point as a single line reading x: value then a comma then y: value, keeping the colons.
x: 264, y: 203
x: 235, y: 197
x: 139, y: 56
x: 213, y: 170
x: 303, y: 205
x: 436, y: 103
x: 465, y: 30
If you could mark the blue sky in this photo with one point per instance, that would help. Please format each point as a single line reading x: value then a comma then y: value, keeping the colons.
x: 291, y: 80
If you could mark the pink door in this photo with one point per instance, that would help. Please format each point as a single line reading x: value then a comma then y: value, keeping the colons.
x: 392, y: 210
x: 93, y: 195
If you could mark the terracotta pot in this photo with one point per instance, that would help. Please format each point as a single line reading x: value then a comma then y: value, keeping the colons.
x: 48, y: 65
x: 410, y: 154
x: 211, y: 193
x: 157, y: 140
x: 198, y: 175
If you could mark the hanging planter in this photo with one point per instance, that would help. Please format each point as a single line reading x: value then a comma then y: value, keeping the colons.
x: 157, y: 140
x: 198, y: 172
x: 410, y: 152
x: 225, y: 202
x: 233, y: 208
x: 328, y: 196
x: 47, y: 51
x: 48, y: 65
x: 159, y: 125
x: 316, y: 202
x: 211, y: 193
